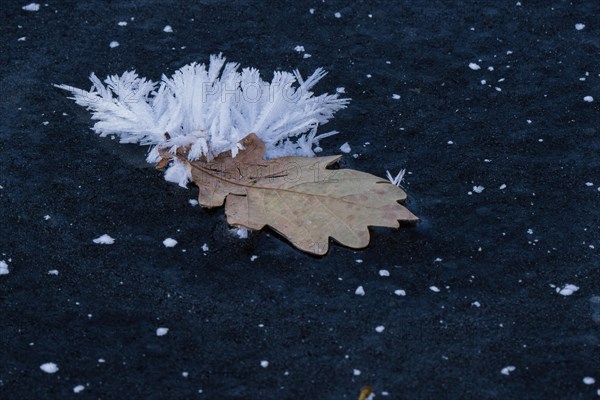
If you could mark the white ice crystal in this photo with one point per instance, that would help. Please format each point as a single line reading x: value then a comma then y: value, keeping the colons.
x: 397, y: 180
x: 210, y: 107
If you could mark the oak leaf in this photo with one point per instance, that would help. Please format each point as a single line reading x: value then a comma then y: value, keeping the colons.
x: 299, y: 197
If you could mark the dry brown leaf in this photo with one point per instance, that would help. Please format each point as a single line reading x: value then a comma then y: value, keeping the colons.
x: 297, y: 196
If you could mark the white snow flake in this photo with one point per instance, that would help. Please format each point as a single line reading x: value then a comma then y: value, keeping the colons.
x: 169, y: 242
x: 567, y: 290
x: 162, y: 331
x: 3, y: 268
x: 104, y: 239
x: 49, y: 367
x: 78, y: 389
x: 507, y: 370
x: 31, y: 7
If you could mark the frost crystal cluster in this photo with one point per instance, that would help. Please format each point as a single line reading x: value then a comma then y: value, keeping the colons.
x: 210, y: 108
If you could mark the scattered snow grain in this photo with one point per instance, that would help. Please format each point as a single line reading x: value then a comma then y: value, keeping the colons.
x: 345, y: 148
x: 104, y: 239
x: 31, y: 7
x: 567, y: 290
x: 49, y: 368
x: 508, y: 370
x: 3, y: 268
x: 162, y: 331
x: 78, y: 389
x: 170, y: 242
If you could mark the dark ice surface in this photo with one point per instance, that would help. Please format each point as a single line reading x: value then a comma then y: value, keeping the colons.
x: 501, y: 254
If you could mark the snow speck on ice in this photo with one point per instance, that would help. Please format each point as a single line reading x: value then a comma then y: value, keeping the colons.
x: 162, y: 331
x: 400, y: 292
x: 113, y: 44
x: 338, y: 15
x: 356, y: 372
x: 3, y: 268
x: 579, y: 26
x: 384, y: 272
x: 396, y: 96
x: 264, y: 363
x: 434, y: 289
x: 205, y: 247
x: 380, y: 329
x: 360, y: 291
x: 508, y: 370
x: 588, y: 380
x: 588, y: 99
x: 104, y: 239
x: 78, y: 388
x: 170, y: 242
x: 567, y: 290
x: 49, y: 368
x: 345, y: 148
x: 31, y: 7
x: 474, y: 66
x: 241, y: 233
x: 168, y: 29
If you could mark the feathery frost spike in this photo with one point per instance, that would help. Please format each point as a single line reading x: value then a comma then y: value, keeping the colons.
x: 210, y: 108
